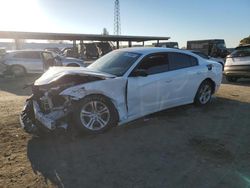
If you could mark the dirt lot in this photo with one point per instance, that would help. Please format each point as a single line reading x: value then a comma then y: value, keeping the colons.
x: 181, y: 147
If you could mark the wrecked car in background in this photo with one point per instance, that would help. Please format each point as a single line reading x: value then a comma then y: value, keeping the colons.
x: 121, y: 86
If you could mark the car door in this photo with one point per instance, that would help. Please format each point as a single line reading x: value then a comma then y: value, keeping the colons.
x: 182, y: 80
x: 31, y: 60
x: 143, y: 91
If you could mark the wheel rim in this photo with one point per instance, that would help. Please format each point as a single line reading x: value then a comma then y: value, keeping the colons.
x: 94, y: 115
x: 17, y: 70
x: 205, y: 94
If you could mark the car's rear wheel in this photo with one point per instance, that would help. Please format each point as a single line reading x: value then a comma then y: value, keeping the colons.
x: 17, y: 70
x: 204, y: 93
x: 95, y: 114
x: 231, y: 79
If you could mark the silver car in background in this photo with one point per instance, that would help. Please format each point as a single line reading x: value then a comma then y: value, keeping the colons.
x: 21, y: 62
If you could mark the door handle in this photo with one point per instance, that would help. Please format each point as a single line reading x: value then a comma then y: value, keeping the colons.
x: 199, y: 73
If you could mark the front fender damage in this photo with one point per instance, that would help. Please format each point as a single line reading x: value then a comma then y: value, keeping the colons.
x: 52, y: 108
x: 114, y: 89
x: 33, y: 119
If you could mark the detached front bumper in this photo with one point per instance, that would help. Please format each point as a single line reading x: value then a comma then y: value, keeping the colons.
x: 32, y: 118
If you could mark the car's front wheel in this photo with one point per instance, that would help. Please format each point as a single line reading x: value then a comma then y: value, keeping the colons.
x: 204, y: 93
x: 95, y: 114
x: 17, y: 70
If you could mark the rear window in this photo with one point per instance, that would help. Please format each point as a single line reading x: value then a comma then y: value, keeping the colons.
x: 242, y: 51
x: 178, y: 61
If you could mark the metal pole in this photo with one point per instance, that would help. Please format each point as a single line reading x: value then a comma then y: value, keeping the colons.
x: 129, y: 44
x: 117, y: 45
x: 17, y: 44
x: 74, y: 49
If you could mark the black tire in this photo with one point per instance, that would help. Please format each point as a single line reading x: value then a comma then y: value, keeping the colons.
x: 92, y: 124
x: 17, y: 70
x: 231, y: 79
x: 204, y: 93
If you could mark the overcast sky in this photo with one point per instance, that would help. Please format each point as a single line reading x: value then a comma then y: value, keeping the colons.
x: 182, y: 20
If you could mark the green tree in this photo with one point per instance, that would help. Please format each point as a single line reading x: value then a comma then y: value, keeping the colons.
x: 105, y: 31
x: 245, y: 40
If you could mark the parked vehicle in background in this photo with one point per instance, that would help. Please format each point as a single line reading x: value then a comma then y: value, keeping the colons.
x: 91, y: 51
x: 213, y: 48
x: 70, y: 52
x: 55, y: 50
x: 69, y: 61
x: 21, y: 62
x: 201, y: 54
x: 104, y: 47
x: 3, y: 67
x: 238, y: 64
x: 119, y: 87
x: 167, y: 44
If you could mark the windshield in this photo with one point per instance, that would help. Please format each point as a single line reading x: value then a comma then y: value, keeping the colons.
x: 221, y: 45
x: 116, y: 62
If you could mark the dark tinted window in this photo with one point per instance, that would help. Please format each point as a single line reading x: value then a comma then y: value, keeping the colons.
x: 154, y: 64
x: 242, y: 51
x: 179, y: 61
x: 27, y: 55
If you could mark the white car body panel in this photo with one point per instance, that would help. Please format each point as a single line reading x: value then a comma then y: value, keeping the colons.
x: 114, y: 89
x: 134, y: 97
x: 146, y: 95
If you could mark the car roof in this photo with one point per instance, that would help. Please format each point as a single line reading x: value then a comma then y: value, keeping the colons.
x: 149, y: 50
x: 17, y: 51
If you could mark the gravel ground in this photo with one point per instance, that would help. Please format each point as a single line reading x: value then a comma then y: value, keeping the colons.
x: 186, y: 146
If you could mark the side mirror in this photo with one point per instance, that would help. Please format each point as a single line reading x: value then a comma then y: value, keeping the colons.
x: 139, y: 72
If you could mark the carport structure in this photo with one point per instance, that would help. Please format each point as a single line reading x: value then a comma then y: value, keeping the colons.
x: 17, y: 36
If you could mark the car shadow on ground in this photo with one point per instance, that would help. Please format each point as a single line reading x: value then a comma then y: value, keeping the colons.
x: 16, y: 85
x: 239, y: 82
x: 150, y: 152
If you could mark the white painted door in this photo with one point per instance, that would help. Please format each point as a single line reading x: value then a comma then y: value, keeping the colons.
x: 144, y: 92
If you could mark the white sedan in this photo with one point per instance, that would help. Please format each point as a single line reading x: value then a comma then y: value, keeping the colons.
x: 121, y: 86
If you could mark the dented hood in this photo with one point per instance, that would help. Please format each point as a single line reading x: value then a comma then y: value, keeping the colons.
x: 55, y: 73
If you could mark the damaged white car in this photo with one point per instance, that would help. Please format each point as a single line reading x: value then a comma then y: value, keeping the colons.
x: 121, y: 86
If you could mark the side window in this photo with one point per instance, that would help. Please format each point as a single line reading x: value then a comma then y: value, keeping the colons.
x: 27, y: 55
x: 154, y: 64
x: 18, y: 55
x: 179, y: 61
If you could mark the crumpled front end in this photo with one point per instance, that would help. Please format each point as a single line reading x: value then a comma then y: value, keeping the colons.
x: 47, y: 108
x: 45, y: 111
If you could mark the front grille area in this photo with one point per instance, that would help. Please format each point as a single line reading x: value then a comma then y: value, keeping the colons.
x: 47, y: 99
x: 44, y: 105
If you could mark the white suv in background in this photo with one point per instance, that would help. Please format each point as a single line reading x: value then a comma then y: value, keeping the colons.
x: 21, y: 62
x: 238, y: 64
